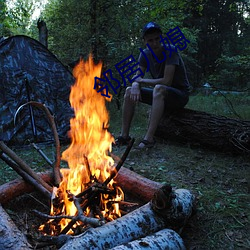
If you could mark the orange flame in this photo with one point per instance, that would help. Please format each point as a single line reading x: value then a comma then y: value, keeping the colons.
x: 90, y: 139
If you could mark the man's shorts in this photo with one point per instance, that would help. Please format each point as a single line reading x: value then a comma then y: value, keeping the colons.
x: 175, y: 99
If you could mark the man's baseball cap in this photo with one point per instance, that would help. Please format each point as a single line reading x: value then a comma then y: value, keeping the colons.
x: 150, y: 26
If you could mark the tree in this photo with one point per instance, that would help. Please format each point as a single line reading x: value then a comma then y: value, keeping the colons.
x: 223, y: 31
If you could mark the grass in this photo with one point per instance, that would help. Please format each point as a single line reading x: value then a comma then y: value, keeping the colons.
x: 219, y: 180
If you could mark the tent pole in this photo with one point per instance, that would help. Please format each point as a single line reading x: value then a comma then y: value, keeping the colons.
x: 33, y: 125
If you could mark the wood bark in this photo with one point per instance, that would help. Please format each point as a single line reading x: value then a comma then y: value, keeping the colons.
x: 212, y: 131
x: 165, y: 210
x: 163, y: 239
x: 136, y: 185
x: 18, y: 187
x: 10, y: 237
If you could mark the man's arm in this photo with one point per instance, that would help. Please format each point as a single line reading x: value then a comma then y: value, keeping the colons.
x: 167, y: 79
x: 135, y: 93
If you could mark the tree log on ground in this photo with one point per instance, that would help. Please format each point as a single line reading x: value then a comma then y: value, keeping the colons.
x: 212, y: 131
x: 10, y: 237
x: 18, y: 187
x: 163, y: 239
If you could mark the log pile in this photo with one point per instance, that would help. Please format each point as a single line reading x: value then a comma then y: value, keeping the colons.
x: 166, y: 209
x: 212, y: 131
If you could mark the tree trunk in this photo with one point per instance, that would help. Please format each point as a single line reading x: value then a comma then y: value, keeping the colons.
x: 43, y: 32
x: 10, y: 237
x: 212, y: 131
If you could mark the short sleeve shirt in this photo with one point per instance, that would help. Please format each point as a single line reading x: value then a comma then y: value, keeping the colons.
x: 156, y: 68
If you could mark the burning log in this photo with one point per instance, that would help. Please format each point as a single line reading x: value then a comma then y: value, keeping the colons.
x: 163, y: 239
x: 10, y: 237
x: 216, y: 132
x: 165, y: 210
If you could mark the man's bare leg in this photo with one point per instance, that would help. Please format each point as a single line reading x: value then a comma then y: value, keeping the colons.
x: 128, y: 110
x: 156, y: 113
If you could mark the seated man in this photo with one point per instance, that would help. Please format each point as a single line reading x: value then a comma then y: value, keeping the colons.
x: 169, y: 87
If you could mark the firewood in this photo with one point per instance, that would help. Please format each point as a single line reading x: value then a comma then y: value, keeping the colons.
x: 150, y: 218
x: 26, y: 176
x: 18, y: 187
x: 132, y: 183
x: 10, y: 237
x: 136, y: 185
x: 163, y: 239
x: 23, y: 165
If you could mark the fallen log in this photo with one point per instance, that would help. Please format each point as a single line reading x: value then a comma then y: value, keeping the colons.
x: 136, y: 185
x: 212, y: 131
x: 10, y: 237
x: 163, y: 239
x: 18, y: 187
x: 148, y: 219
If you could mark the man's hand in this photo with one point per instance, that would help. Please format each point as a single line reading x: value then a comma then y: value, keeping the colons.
x: 135, y: 93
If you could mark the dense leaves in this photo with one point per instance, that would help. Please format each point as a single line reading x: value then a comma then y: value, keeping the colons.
x: 218, y: 31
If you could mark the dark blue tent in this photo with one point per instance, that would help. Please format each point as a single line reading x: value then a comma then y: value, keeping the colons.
x: 29, y: 71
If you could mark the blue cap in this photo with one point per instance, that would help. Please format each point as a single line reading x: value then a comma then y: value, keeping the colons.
x: 149, y: 26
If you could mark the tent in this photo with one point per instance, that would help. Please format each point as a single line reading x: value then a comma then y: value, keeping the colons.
x: 30, y: 72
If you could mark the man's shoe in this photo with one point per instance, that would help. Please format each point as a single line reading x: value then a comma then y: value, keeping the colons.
x: 121, y: 141
x: 146, y: 144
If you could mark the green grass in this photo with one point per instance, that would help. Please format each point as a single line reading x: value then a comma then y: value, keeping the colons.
x: 233, y: 106
x: 220, y: 181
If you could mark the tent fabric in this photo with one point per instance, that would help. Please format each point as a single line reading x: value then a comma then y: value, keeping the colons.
x: 29, y: 71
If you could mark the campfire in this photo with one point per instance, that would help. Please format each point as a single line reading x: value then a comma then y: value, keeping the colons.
x: 87, y: 198
x: 87, y: 188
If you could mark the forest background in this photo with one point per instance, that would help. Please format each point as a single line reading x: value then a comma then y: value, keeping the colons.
x: 218, y: 31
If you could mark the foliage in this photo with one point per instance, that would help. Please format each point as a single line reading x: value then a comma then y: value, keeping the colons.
x: 218, y: 31
x: 232, y: 72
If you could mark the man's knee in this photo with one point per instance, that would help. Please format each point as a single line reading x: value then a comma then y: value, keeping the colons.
x: 159, y: 90
x: 127, y: 92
